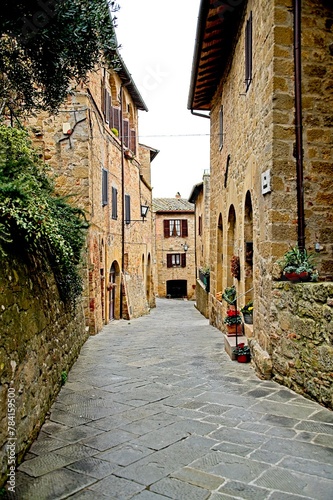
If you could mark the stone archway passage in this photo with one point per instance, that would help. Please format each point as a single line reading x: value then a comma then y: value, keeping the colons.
x: 176, y: 289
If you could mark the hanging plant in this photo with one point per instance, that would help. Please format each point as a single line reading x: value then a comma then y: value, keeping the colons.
x: 235, y: 267
x: 33, y: 218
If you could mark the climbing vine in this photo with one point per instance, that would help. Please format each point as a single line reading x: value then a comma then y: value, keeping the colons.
x: 32, y: 216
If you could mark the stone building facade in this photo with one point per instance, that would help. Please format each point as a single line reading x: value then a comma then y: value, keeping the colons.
x: 174, y: 270
x: 92, y: 149
x: 200, y: 197
x: 246, y: 75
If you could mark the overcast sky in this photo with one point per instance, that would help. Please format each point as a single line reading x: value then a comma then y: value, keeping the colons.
x: 157, y: 43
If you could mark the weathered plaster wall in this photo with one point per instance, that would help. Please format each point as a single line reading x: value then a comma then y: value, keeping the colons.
x: 302, y: 338
x: 39, y: 339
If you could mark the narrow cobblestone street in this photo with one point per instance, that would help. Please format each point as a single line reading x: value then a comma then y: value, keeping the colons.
x: 154, y: 408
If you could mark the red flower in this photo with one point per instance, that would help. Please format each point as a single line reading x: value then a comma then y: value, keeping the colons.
x: 232, y: 313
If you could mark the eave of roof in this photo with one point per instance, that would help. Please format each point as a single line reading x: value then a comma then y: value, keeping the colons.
x: 127, y: 80
x: 153, y: 152
x: 197, y: 188
x: 216, y: 28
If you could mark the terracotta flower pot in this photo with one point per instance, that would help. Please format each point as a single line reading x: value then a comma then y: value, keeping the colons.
x: 231, y: 330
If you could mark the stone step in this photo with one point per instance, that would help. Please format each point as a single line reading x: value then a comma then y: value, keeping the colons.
x: 230, y: 343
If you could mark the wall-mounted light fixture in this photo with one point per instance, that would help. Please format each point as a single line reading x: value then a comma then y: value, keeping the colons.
x: 185, y: 246
x: 144, y: 211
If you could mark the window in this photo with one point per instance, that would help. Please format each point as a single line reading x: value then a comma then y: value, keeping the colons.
x: 105, y: 197
x: 175, y: 227
x: 221, y: 127
x: 127, y: 209
x: 176, y: 260
x: 126, y: 133
x: 133, y: 141
x: 114, y: 213
x: 248, y: 52
x: 200, y: 225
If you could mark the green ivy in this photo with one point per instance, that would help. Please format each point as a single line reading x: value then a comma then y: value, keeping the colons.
x: 32, y: 215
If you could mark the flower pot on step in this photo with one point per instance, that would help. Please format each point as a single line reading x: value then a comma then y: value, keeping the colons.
x: 231, y: 330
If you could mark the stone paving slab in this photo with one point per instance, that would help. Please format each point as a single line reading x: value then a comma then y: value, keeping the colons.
x: 154, y: 408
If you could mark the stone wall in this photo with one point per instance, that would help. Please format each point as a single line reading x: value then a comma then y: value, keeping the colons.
x: 78, y: 162
x: 40, y: 338
x: 201, y: 299
x: 302, y: 338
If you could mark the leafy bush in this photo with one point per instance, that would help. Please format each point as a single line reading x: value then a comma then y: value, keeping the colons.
x: 33, y: 217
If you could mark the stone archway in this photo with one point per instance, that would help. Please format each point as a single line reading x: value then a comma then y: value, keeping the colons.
x: 219, y: 255
x: 248, y: 247
x: 148, y: 280
x: 114, y: 292
x: 231, y: 242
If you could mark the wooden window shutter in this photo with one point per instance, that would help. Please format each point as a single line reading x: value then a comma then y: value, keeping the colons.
x: 116, y: 119
x: 104, y: 187
x: 184, y: 228
x: 183, y: 259
x: 114, y: 203
x: 200, y: 225
x: 169, y: 260
x: 126, y: 133
x: 127, y: 209
x: 166, y: 227
x: 132, y: 145
x: 103, y: 99
x: 107, y: 104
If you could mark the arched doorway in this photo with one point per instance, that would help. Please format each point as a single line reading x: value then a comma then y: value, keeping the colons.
x: 148, y: 279
x: 219, y: 255
x: 114, y: 292
x: 248, y: 246
x: 231, y: 242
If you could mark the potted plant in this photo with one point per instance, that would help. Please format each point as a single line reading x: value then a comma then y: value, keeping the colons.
x: 235, y: 267
x: 204, y: 276
x: 233, y: 322
x: 229, y: 295
x: 242, y: 353
x: 247, y: 312
x: 298, y: 265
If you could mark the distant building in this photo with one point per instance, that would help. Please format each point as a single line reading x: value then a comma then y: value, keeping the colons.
x: 200, y: 197
x: 174, y: 270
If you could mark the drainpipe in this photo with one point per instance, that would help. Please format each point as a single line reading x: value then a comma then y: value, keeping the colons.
x: 200, y: 114
x: 122, y: 284
x: 299, y: 124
